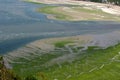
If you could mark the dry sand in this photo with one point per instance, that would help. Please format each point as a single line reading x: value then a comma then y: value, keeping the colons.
x: 112, y: 9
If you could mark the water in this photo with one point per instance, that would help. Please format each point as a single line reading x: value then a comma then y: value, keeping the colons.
x: 21, y: 24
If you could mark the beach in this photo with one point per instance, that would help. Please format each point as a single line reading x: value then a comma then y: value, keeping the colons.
x: 109, y: 8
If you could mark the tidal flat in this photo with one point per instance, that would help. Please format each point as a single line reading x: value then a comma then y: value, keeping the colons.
x: 69, y: 58
x: 47, y: 42
x: 77, y: 13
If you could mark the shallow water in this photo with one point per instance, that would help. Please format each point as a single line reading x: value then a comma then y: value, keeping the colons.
x: 21, y: 24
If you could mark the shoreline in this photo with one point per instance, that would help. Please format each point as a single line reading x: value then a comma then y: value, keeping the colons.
x: 76, y: 13
x: 108, y: 8
x: 102, y: 41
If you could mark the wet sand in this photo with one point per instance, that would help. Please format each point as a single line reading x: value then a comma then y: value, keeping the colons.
x: 47, y: 45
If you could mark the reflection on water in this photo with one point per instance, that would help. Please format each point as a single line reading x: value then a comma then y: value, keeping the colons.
x: 20, y: 24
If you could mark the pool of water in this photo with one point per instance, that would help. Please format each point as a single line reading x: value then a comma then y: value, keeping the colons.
x: 21, y: 24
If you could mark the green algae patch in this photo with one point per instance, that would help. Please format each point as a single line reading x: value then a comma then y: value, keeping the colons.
x: 61, y: 44
x: 76, y: 13
x: 53, y: 13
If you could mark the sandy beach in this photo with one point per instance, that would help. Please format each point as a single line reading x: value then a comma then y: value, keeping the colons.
x: 112, y: 9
